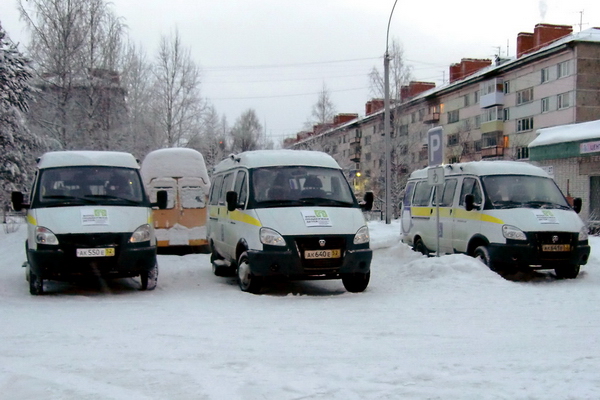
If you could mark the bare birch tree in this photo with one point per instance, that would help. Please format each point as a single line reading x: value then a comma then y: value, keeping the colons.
x: 177, y: 80
x: 247, y: 132
x: 323, y: 110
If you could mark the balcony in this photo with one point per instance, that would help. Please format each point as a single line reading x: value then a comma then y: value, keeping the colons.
x: 493, y: 151
x: 492, y: 126
x: 432, y: 117
x: 491, y: 99
x: 355, y: 156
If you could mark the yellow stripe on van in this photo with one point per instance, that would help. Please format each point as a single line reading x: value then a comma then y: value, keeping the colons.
x: 31, y: 220
x: 421, y: 212
x: 461, y: 213
x: 243, y: 217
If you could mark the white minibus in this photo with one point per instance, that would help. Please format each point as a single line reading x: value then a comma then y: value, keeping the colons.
x: 506, y: 213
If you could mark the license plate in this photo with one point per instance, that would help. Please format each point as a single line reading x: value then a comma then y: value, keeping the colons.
x: 313, y: 254
x: 556, y: 247
x: 109, y: 252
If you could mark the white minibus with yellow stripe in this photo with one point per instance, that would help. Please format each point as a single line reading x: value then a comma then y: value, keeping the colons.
x: 287, y: 213
x: 508, y: 214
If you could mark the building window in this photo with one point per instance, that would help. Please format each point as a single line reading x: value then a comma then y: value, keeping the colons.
x: 477, y: 121
x: 564, y: 100
x: 525, y: 96
x: 491, y: 139
x: 506, y: 88
x: 506, y: 114
x: 477, y: 145
x: 367, y: 156
x: 454, y: 160
x: 403, y: 130
x: 545, y: 104
x: 476, y: 97
x: 492, y: 114
x: 562, y: 69
x: 525, y: 124
x: 467, y: 100
x: 545, y: 77
x: 413, y: 117
x: 421, y: 114
x: 367, y: 140
x: 522, y: 152
x: 453, y: 139
x: 453, y: 116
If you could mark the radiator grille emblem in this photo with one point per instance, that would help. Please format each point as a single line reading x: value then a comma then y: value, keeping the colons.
x: 322, y: 242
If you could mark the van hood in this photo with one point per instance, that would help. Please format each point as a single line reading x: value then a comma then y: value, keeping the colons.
x: 90, y: 219
x: 312, y: 220
x: 535, y: 219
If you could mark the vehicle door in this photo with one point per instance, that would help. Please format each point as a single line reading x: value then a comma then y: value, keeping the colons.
x: 214, y: 230
x: 422, y: 214
x: 226, y: 218
x: 467, y: 223
x: 447, y: 195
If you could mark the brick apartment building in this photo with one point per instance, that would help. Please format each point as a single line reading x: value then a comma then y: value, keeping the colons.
x: 490, y: 109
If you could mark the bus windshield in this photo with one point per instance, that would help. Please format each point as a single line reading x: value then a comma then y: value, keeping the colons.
x: 293, y: 186
x: 511, y: 191
x: 84, y: 185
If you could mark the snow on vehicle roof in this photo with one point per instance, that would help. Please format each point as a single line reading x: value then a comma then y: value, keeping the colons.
x: 482, y: 168
x: 79, y: 158
x: 272, y: 158
x: 567, y: 133
x: 174, y: 162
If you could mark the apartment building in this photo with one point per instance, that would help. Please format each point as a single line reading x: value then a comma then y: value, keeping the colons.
x: 490, y: 109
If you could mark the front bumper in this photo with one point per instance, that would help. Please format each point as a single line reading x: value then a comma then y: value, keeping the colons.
x: 532, y: 255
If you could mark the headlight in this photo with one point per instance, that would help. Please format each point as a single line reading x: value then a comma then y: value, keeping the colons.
x: 141, y: 234
x: 512, y: 232
x: 271, y: 237
x: 362, y: 235
x: 583, y: 233
x: 45, y: 236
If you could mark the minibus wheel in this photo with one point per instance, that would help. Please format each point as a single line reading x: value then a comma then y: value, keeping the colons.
x: 247, y: 281
x: 567, y: 272
x: 420, y: 247
x: 356, y: 282
x: 36, y: 283
x: 149, y: 279
x: 482, y: 254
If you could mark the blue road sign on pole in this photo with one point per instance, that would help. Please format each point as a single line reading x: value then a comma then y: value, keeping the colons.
x: 435, y: 145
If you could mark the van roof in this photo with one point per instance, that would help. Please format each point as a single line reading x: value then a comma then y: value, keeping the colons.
x: 79, y: 158
x: 482, y: 168
x: 174, y: 162
x: 271, y: 158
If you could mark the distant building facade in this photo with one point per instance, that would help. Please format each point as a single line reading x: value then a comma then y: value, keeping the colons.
x: 489, y: 110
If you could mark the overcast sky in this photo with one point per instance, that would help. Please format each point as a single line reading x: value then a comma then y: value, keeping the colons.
x: 275, y: 55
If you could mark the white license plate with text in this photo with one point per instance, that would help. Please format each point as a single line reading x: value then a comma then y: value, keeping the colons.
x: 108, y: 252
x: 315, y: 254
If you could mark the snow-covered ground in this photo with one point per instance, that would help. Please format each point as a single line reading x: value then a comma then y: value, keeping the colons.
x: 425, y: 328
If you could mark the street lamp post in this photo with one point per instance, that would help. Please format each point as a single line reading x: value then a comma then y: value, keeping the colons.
x: 386, y: 124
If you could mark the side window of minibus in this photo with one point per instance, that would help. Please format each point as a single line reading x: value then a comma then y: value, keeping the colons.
x: 215, y: 190
x: 240, y: 188
x: 422, y: 194
x: 448, y: 193
x: 470, y: 186
x: 227, y: 181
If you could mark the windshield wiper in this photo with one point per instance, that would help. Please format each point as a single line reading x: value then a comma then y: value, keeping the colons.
x: 68, y: 199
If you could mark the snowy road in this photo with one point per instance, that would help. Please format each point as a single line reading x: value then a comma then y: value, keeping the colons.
x: 442, y: 328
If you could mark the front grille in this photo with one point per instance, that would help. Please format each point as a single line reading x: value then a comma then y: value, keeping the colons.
x: 313, y: 243
x: 71, y: 242
x: 554, y: 238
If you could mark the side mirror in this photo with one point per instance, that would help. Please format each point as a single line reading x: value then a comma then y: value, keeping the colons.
x: 577, y: 203
x: 368, y: 202
x: 17, y: 201
x: 161, y: 200
x: 231, y: 200
x: 469, y: 202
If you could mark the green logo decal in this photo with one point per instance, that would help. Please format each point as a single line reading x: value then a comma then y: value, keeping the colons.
x: 100, y: 213
x: 320, y: 213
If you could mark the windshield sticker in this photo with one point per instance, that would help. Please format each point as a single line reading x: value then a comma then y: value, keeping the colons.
x: 94, y: 216
x: 316, y: 218
x: 545, y: 216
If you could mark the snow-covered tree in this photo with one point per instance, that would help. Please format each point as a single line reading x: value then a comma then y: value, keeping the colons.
x: 75, y: 45
x: 19, y: 146
x: 178, y: 104
x: 247, y: 132
x: 323, y: 110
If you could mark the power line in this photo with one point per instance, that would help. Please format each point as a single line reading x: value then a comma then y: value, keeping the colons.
x: 291, y: 65
x: 284, y: 95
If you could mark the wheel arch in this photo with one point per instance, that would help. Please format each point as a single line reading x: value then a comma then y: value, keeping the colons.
x: 475, y: 242
x: 240, y: 248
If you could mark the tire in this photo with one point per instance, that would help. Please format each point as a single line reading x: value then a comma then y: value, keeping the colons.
x: 482, y: 254
x: 247, y: 281
x: 149, y: 278
x: 567, y: 272
x: 420, y: 247
x: 36, y: 283
x: 356, y: 283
